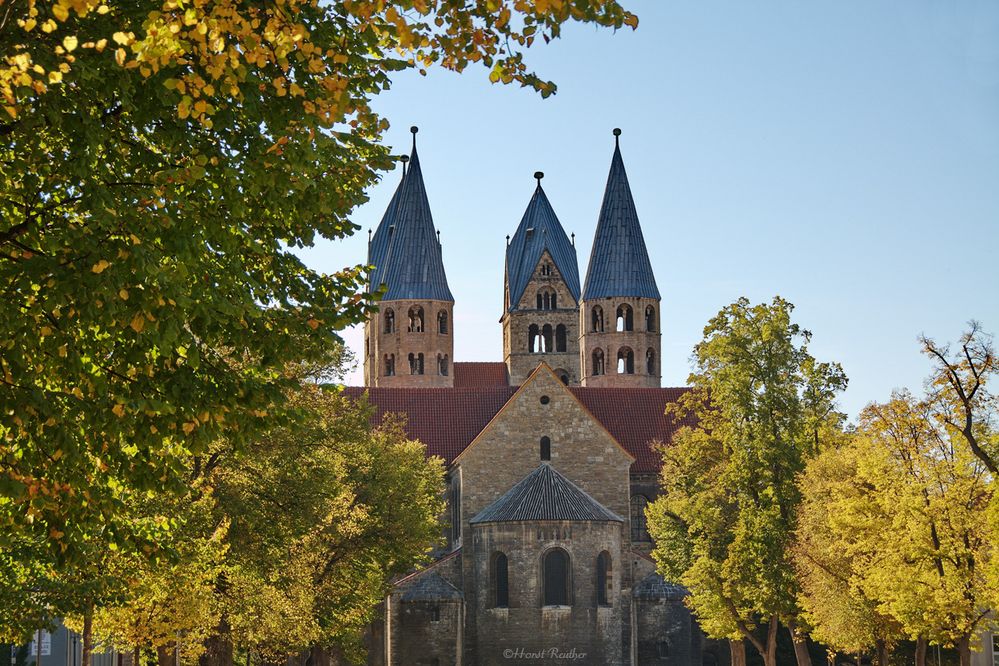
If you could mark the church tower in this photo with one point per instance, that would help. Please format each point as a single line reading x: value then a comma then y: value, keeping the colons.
x: 541, y: 295
x: 409, y: 341
x: 619, y: 317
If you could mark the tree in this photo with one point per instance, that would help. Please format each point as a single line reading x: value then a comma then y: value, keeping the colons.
x: 959, y: 389
x: 837, y: 537
x: 725, y: 520
x: 287, y: 545
x: 162, y: 161
x: 930, y: 572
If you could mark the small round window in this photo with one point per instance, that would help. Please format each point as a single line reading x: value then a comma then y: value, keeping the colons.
x: 545, y: 400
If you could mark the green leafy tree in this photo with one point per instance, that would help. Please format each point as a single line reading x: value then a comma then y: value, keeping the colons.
x: 161, y: 163
x: 725, y: 521
x: 288, y: 544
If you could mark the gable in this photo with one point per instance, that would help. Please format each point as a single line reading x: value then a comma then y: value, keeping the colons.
x: 447, y: 420
x: 508, y: 448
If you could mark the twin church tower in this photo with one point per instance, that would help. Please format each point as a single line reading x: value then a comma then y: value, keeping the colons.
x: 603, y: 335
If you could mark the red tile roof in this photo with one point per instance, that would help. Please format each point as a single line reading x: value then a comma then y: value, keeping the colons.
x: 636, y: 417
x: 480, y: 374
x: 446, y: 420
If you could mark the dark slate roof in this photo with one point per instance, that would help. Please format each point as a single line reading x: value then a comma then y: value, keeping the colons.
x: 405, y: 249
x: 480, y: 374
x: 379, y: 246
x: 619, y: 261
x: 655, y: 587
x: 430, y: 586
x: 446, y: 420
x: 544, y: 494
x: 539, y: 230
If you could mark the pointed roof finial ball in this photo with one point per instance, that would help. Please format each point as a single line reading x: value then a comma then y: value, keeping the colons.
x: 617, y: 135
x: 539, y: 175
x: 414, y: 129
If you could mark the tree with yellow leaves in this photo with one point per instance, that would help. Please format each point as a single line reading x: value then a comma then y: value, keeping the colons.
x: 893, y: 525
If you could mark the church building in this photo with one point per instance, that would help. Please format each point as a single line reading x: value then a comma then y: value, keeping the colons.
x: 551, y: 453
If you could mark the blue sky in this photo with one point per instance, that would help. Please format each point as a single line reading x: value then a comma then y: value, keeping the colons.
x: 844, y: 155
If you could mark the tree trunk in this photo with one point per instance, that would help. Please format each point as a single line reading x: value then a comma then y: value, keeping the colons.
x: 136, y: 656
x: 737, y: 650
x: 830, y: 657
x: 165, y: 655
x: 800, y: 643
x: 218, y: 647
x: 88, y: 636
x: 964, y: 650
x: 770, y: 655
x: 920, y: 651
x: 882, y: 652
x: 321, y: 657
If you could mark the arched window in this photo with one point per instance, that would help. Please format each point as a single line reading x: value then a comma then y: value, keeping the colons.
x: 546, y: 299
x: 565, y: 378
x: 625, y: 361
x: 639, y: 529
x: 549, y: 337
x: 650, y: 318
x: 532, y: 338
x: 501, y: 581
x: 442, y: 363
x: 625, y: 318
x: 597, y: 318
x: 416, y: 364
x: 650, y: 361
x: 389, y: 321
x: 553, y: 301
x: 560, y: 338
x: 556, y: 578
x: 442, y: 322
x: 598, y: 361
x: 546, y: 448
x: 389, y: 365
x: 546, y: 269
x: 603, y: 578
x: 416, y: 319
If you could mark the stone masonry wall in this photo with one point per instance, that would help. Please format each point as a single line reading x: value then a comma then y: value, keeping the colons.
x: 526, y: 627
x: 517, y: 354
x: 640, y: 340
x: 401, y: 342
x: 508, y: 449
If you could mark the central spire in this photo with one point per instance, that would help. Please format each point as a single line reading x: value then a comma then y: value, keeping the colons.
x: 539, y: 231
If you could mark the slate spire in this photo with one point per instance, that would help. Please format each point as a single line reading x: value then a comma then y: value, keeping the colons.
x: 405, y: 249
x: 619, y: 261
x: 539, y: 230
